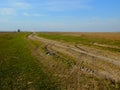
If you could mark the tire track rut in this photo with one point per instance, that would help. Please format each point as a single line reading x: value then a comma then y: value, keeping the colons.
x: 50, y: 44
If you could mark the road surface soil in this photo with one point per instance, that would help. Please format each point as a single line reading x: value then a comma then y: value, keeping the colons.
x: 73, y: 64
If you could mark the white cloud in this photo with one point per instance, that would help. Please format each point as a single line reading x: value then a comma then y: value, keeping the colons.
x: 21, y: 5
x: 7, y: 11
x: 89, y: 25
x: 26, y: 14
x: 33, y: 14
x: 38, y: 14
x: 98, y: 24
x: 13, y: 7
x: 62, y: 5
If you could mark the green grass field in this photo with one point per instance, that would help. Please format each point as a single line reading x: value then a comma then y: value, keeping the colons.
x: 19, y: 70
x: 25, y: 64
x: 82, y: 39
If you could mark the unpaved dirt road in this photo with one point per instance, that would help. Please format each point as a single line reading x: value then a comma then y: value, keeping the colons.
x: 95, y: 62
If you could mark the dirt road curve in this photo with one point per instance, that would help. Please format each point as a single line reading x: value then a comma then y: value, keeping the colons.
x: 99, y: 64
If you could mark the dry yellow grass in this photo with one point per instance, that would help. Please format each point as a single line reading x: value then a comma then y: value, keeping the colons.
x: 105, y: 35
x: 92, y: 69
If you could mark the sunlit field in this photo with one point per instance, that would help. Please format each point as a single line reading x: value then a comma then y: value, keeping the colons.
x: 59, y: 61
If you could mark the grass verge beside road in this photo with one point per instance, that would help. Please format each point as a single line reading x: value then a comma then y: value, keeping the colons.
x: 96, y: 42
x: 19, y: 70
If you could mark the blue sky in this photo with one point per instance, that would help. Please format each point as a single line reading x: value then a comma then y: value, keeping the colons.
x: 60, y: 15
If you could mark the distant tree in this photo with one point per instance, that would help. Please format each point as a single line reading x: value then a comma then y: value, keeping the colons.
x: 18, y: 30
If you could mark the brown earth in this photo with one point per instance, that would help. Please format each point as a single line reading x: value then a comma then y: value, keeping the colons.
x: 104, y: 35
x: 84, y: 62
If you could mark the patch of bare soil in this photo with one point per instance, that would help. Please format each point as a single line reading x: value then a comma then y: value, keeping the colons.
x: 104, y: 45
x: 88, y: 62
